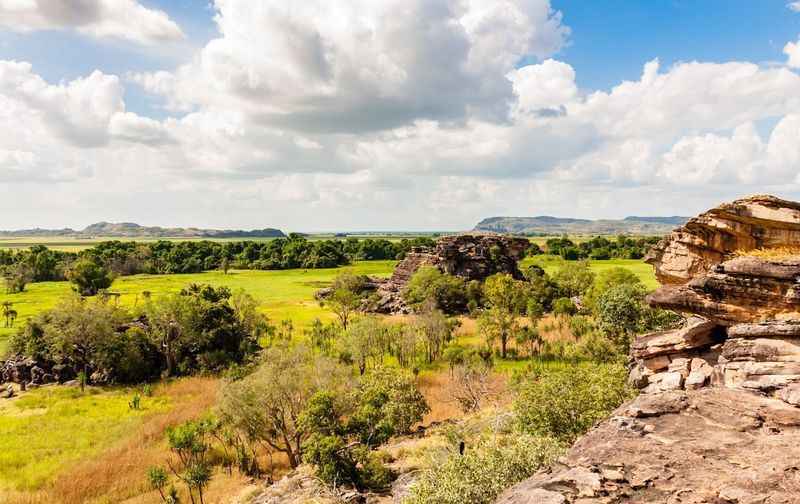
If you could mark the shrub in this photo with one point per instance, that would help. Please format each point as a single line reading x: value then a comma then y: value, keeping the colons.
x: 484, y: 471
x: 564, y: 306
x: 619, y: 312
x: 89, y: 277
x: 564, y: 403
x: 430, y: 284
x: 596, y: 347
x: 574, y: 279
x: 605, y: 281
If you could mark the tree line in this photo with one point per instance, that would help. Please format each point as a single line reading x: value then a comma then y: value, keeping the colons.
x: 118, y: 258
x: 598, y: 248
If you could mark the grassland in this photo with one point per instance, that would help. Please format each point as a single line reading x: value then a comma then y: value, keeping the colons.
x: 56, y: 442
x: 286, y: 294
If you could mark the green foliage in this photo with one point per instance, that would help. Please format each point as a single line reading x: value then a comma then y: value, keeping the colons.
x: 344, y: 427
x: 484, y: 471
x: 564, y: 306
x: 431, y: 285
x: 620, y: 310
x: 347, y: 297
x: 197, y: 329
x: 190, y: 443
x: 89, y: 277
x: 607, y: 279
x: 265, y: 406
x: 565, y: 403
x: 574, y: 279
x: 506, y: 299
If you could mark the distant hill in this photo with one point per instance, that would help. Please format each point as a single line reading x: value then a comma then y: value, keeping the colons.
x: 132, y: 230
x: 547, y: 225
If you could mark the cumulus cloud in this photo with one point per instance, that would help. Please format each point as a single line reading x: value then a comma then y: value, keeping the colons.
x: 389, y: 114
x: 792, y: 52
x: 123, y: 19
x: 365, y: 65
x: 793, y: 6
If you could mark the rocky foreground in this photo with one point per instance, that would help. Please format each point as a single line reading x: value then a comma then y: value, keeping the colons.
x: 718, y: 417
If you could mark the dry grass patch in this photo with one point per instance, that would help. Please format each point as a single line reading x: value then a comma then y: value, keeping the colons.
x: 118, y: 473
x: 771, y: 253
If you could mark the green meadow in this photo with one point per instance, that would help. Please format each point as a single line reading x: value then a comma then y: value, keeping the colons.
x: 42, y: 432
x: 283, y: 294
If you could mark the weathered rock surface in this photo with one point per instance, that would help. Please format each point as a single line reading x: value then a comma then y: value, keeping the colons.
x: 744, y: 289
x: 718, y: 418
x: 471, y: 257
x: 24, y: 370
x: 713, y: 445
x: 711, y: 238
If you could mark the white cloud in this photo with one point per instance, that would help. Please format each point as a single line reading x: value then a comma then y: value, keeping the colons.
x: 364, y: 65
x: 123, y: 19
x: 793, y: 6
x: 792, y: 52
x: 389, y: 114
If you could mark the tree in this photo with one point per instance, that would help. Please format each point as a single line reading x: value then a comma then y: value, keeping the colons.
x: 620, y: 310
x: 79, y: 329
x: 347, y: 297
x: 428, y: 284
x: 364, y: 342
x: 471, y: 382
x: 574, y: 279
x: 434, y: 329
x: 89, y: 277
x: 606, y: 280
x: 167, y: 319
x: 344, y: 427
x: 189, y: 442
x: 265, y: 406
x: 506, y: 299
x: 7, y: 310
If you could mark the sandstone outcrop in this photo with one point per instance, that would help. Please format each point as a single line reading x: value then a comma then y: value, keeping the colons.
x: 711, y: 238
x: 713, y: 445
x: 718, y: 416
x: 468, y: 256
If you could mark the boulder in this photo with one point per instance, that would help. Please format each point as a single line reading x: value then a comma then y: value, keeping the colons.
x: 741, y: 290
x: 696, y: 333
x: 711, y: 238
x: 695, y: 447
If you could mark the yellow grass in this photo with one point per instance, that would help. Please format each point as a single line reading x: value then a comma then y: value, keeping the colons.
x: 771, y: 253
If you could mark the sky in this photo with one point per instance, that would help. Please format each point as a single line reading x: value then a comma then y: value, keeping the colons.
x: 391, y: 114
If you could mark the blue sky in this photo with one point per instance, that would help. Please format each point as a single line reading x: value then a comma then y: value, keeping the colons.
x: 392, y: 114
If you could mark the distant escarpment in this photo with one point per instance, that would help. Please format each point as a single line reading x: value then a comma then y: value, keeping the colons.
x: 718, y: 416
x: 546, y: 225
x: 131, y: 230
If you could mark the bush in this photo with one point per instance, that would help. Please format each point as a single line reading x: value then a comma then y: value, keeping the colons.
x: 620, y: 310
x: 565, y: 403
x: 574, y: 279
x: 564, y: 306
x: 430, y: 284
x: 484, y: 471
x: 89, y: 277
x: 596, y: 347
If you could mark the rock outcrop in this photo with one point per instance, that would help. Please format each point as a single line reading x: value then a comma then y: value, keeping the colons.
x: 469, y: 256
x: 711, y: 238
x: 718, y: 417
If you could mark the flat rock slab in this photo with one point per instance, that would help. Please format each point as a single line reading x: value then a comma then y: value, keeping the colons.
x: 690, y: 447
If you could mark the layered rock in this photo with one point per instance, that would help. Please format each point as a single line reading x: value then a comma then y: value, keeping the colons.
x: 713, y: 445
x: 711, y: 238
x: 717, y: 420
x: 470, y: 256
